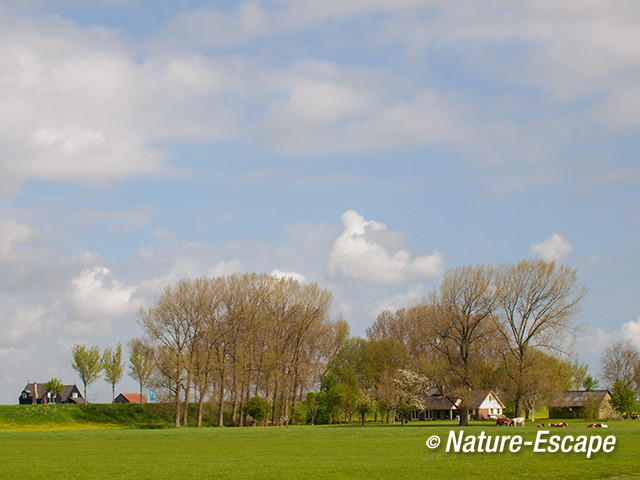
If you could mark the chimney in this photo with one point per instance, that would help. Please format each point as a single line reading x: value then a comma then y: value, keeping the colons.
x: 35, y: 393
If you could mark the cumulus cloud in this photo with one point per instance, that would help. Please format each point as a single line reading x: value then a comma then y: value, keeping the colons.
x: 367, y: 250
x: 631, y: 332
x: 96, y: 293
x: 553, y: 249
x: 291, y: 275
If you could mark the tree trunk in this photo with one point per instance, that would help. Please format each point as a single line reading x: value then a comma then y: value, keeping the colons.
x: 200, y: 408
x: 221, y: 407
x: 464, y: 416
x: 187, y: 391
x: 234, y: 413
x: 178, y: 403
x: 518, y: 412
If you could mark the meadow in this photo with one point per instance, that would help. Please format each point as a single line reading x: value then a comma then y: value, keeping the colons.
x: 90, y: 450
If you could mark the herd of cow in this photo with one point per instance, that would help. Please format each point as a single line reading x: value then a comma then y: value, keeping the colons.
x: 514, y: 422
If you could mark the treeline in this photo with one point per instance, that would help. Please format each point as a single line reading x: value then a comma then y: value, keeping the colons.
x: 263, y: 345
x: 237, y: 337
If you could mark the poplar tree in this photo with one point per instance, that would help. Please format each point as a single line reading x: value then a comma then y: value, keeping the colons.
x: 113, y: 367
x: 87, y: 363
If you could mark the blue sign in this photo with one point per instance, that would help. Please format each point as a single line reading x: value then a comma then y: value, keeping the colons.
x: 152, y: 394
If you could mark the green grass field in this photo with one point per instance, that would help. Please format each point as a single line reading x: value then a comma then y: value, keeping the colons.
x: 327, y: 452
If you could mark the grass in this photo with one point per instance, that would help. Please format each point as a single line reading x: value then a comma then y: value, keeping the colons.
x: 61, y: 417
x: 324, y: 452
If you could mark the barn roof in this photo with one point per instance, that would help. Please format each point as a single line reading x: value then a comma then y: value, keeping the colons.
x: 131, y: 397
x: 579, y: 398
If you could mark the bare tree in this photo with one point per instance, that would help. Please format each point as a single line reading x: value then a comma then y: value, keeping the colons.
x: 620, y: 362
x: 460, y: 323
x: 166, y: 324
x: 538, y: 302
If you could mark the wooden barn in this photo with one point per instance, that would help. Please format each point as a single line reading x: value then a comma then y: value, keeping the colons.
x: 581, y: 404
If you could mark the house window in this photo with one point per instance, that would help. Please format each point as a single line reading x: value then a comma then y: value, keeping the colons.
x: 415, y: 415
x: 74, y: 395
x: 24, y: 395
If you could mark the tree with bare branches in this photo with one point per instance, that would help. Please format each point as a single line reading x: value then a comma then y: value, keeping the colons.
x: 537, y: 302
x: 461, y: 325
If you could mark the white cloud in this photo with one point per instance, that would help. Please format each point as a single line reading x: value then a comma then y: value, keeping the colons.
x: 13, y: 234
x: 367, y: 250
x: 398, y: 301
x: 631, y: 332
x: 292, y: 275
x: 596, y: 340
x: 553, y: 249
x: 79, y: 107
x: 97, y: 294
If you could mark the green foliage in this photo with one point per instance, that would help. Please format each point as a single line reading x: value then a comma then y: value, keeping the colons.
x: 87, y: 363
x: 257, y: 407
x: 623, y: 399
x: 590, y: 383
x: 365, y: 405
x: 316, y: 405
x: 140, y: 362
x: 113, y: 366
x: 54, y: 386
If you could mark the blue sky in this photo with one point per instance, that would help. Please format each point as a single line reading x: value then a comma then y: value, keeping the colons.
x: 364, y: 145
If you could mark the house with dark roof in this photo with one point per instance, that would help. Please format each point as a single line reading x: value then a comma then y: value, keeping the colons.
x: 129, y: 398
x: 483, y: 404
x: 35, y: 393
x: 581, y: 404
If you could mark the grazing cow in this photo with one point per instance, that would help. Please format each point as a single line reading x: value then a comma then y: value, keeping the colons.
x: 559, y: 425
x: 502, y: 421
x: 598, y: 425
x: 517, y: 421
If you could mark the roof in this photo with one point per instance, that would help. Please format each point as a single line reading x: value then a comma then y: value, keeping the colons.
x: 477, y: 398
x: 436, y: 401
x: 579, y: 398
x: 131, y: 397
x: 67, y: 390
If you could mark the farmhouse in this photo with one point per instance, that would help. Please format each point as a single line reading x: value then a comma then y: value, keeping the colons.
x: 35, y: 393
x: 129, y: 398
x: 483, y: 404
x: 581, y: 404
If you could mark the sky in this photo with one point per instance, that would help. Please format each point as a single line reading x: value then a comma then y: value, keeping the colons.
x: 367, y: 145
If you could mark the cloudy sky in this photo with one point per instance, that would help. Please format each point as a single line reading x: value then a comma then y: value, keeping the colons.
x: 367, y: 145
